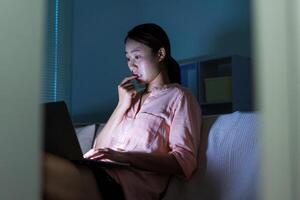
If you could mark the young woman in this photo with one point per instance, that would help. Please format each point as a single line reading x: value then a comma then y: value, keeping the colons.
x: 156, y: 130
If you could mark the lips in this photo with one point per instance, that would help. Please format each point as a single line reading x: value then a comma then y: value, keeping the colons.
x: 138, y: 75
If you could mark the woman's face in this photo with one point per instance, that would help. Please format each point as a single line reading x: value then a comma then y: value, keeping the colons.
x: 142, y: 61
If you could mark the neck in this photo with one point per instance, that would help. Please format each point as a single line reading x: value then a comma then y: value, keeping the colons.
x: 160, y: 80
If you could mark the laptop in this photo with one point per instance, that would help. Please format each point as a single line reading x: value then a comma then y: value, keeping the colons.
x: 60, y: 137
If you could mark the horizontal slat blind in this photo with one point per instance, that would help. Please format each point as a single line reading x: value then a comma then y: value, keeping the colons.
x: 54, y: 76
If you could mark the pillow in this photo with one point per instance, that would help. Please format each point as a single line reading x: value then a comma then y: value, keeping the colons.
x: 85, y: 135
x: 233, y: 157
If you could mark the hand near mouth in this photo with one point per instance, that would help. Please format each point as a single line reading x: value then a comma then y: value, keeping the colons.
x: 126, y: 91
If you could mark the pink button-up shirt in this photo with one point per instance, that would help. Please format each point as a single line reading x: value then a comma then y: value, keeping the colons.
x: 168, y: 122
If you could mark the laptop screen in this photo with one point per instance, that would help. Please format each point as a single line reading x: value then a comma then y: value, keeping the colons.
x: 59, y: 134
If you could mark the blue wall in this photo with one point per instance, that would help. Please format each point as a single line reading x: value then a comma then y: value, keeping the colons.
x: 196, y: 28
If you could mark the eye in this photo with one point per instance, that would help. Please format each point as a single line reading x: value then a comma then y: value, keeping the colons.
x: 137, y: 57
x: 128, y: 59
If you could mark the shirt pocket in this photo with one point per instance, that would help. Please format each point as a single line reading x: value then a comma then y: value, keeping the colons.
x: 149, y: 129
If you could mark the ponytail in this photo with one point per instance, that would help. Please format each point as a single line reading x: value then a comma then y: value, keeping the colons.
x: 173, y: 69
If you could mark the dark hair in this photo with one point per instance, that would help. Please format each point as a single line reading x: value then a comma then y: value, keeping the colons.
x: 155, y: 37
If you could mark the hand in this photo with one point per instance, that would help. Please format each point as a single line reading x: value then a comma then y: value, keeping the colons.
x: 126, y: 92
x: 107, y: 153
x: 90, y: 153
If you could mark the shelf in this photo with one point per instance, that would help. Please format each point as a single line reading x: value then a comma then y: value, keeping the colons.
x: 216, y: 108
x: 221, y: 84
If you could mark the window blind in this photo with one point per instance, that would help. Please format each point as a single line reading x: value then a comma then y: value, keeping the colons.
x: 56, y: 72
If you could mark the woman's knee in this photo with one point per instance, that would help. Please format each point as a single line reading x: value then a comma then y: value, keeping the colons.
x: 61, y: 179
x: 64, y: 180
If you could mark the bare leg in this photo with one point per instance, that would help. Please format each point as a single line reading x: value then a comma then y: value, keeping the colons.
x: 63, y: 180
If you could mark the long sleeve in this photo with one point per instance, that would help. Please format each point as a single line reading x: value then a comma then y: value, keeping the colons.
x: 184, y: 137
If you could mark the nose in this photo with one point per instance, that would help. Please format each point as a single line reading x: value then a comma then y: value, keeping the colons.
x: 132, y: 65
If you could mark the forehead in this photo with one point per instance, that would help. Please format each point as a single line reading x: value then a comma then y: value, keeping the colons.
x: 132, y: 46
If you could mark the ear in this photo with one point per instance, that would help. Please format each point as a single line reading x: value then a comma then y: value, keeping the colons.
x: 161, y: 54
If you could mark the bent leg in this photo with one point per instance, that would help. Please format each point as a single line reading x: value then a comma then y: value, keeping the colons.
x: 64, y: 180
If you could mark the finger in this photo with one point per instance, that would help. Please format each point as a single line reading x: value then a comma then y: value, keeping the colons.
x: 90, y: 153
x: 98, y: 157
x: 91, y: 156
x: 130, y: 88
x: 129, y: 78
x: 106, y: 151
x: 94, y: 152
x: 103, y: 156
x: 127, y: 84
x: 99, y: 152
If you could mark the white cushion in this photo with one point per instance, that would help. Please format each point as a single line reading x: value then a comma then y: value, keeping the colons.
x: 233, y: 157
x: 85, y: 135
x: 232, y: 163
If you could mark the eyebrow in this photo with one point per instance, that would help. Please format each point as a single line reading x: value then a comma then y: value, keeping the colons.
x: 134, y: 50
